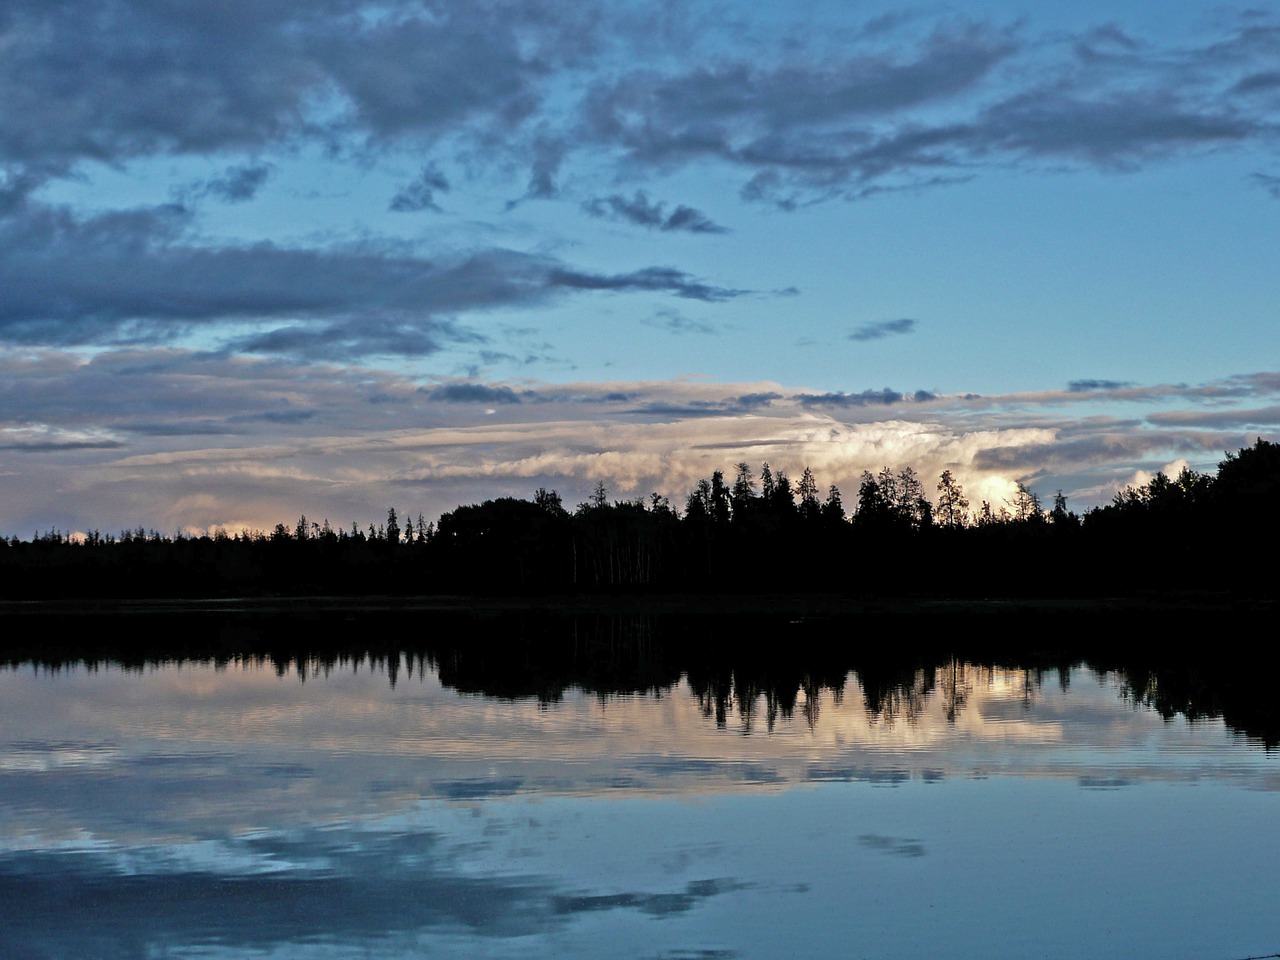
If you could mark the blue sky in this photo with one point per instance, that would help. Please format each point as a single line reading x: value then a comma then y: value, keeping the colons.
x: 266, y: 258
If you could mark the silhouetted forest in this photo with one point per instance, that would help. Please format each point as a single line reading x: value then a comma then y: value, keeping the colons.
x: 750, y: 534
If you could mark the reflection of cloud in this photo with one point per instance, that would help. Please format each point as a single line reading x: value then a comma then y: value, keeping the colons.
x: 894, y: 846
x: 324, y: 886
x: 654, y: 904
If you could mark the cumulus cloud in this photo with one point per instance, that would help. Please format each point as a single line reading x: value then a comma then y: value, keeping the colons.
x: 289, y: 437
x: 643, y: 212
x: 883, y: 328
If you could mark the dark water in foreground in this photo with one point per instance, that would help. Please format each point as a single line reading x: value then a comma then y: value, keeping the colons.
x: 313, y: 808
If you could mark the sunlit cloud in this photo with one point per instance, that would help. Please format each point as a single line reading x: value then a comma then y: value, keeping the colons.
x: 295, y: 438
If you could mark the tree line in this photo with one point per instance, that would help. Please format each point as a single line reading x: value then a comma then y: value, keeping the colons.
x: 753, y: 533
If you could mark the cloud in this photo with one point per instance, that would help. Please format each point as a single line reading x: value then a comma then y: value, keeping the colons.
x: 420, y: 194
x: 150, y: 449
x: 1218, y: 419
x: 473, y: 393
x: 926, y: 114
x: 1263, y: 82
x: 885, y: 397
x: 1087, y: 386
x: 662, y: 279
x: 675, y: 322
x: 643, y: 212
x: 236, y: 185
x: 1269, y: 183
x: 883, y: 328
x: 132, y: 277
x: 87, y: 80
x: 905, y: 103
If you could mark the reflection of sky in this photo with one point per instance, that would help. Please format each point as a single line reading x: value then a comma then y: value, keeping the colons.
x: 234, y: 812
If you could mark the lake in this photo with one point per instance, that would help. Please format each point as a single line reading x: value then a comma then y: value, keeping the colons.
x: 599, y: 793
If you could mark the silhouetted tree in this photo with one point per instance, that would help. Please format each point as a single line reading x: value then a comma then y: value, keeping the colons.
x: 833, y: 508
x: 720, y: 503
x: 810, y: 509
x: 952, y: 505
x: 744, y: 491
x: 550, y: 501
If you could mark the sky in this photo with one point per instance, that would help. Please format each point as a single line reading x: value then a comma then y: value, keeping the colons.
x: 261, y: 258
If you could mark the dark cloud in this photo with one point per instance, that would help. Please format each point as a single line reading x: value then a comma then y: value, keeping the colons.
x: 52, y: 446
x: 883, y: 328
x: 473, y: 393
x: 278, y: 416
x: 358, y: 338
x: 705, y: 111
x: 1269, y: 183
x: 109, y: 80
x: 236, y: 185
x: 131, y: 277
x: 1263, y: 82
x: 1088, y: 386
x: 752, y: 401
x: 660, y: 279
x: 420, y: 194
x: 112, y: 80
x: 867, y: 398
x: 693, y: 408
x: 1107, y: 129
x: 963, y: 97
x: 644, y: 212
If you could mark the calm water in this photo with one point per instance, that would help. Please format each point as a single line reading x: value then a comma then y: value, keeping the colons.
x: 255, y: 809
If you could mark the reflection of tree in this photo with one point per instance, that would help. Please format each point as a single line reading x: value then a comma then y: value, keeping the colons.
x: 746, y: 667
x: 956, y: 688
x: 897, y: 694
x: 812, y: 700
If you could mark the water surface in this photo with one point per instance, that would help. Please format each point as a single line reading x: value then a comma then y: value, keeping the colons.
x: 357, y: 808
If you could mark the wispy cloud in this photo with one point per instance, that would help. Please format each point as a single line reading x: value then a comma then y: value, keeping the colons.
x: 883, y: 328
x: 675, y: 322
x: 643, y: 212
